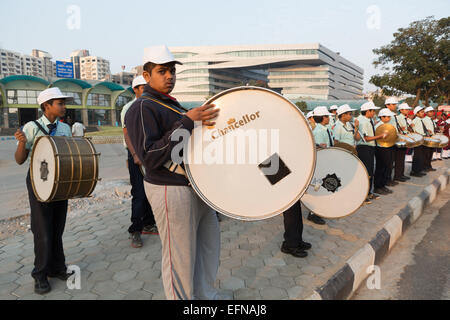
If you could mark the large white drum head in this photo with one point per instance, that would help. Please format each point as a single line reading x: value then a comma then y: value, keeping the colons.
x: 43, y: 168
x: 225, y: 164
x: 344, y: 184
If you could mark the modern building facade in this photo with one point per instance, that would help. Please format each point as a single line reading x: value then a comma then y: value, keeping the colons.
x: 298, y: 71
x: 94, y: 68
x: 37, y: 64
x: 75, y: 58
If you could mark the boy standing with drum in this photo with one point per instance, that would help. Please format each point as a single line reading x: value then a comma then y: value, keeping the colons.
x: 47, y: 219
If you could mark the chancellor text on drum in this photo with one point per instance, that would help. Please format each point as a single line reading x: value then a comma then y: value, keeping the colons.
x: 272, y: 133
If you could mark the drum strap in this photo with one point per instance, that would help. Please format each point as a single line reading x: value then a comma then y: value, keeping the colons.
x: 162, y: 104
x: 425, y: 131
x: 41, y: 128
x: 373, y: 129
x: 329, y: 137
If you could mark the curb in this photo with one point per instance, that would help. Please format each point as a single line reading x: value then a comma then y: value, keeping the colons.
x: 4, y: 138
x: 346, y: 281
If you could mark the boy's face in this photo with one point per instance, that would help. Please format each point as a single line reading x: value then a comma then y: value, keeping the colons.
x: 430, y: 114
x: 370, y: 113
x: 138, y: 91
x: 57, y: 108
x: 162, y: 77
x: 421, y: 114
x: 326, y: 120
x: 385, y: 119
x: 392, y: 107
x: 404, y: 112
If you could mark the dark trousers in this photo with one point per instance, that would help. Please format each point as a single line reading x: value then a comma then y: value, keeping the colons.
x: 293, y: 226
x: 141, y: 211
x: 418, y: 160
x: 47, y: 224
x: 383, y: 166
x: 367, y: 155
x: 400, y: 154
x: 428, y: 156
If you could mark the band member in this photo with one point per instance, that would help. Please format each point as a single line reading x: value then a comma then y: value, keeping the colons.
x: 391, y: 104
x: 383, y: 156
x: 293, y: 243
x: 366, y: 146
x: 418, y: 165
x: 344, y: 131
x: 401, y: 125
x: 310, y: 118
x: 47, y: 219
x: 142, y: 219
x: 333, y: 117
x: 188, y: 228
x: 440, y: 124
x: 431, y: 130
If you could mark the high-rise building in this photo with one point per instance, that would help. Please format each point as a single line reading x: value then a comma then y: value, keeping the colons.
x: 10, y: 63
x: 297, y: 71
x: 37, y: 64
x: 48, y: 66
x: 94, y: 68
x: 75, y: 58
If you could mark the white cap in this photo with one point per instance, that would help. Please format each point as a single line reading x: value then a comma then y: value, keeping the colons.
x: 369, y: 106
x: 417, y: 109
x: 429, y: 109
x: 344, y: 109
x: 404, y: 106
x: 51, y: 93
x: 321, y: 111
x: 391, y: 101
x: 309, y: 114
x: 138, y: 81
x: 386, y: 113
x: 159, y: 55
x: 333, y: 107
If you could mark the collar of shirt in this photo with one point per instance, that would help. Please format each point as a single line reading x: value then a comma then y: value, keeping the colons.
x: 158, y: 94
x: 46, y: 122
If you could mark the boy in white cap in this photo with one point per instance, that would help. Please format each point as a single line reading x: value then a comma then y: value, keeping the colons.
x: 343, y: 130
x: 383, y: 156
x: 399, y: 155
x: 432, y: 129
x: 47, y: 219
x: 418, y: 165
x: 391, y: 104
x: 142, y: 219
x: 310, y: 118
x: 188, y: 228
x: 366, y: 146
x: 333, y: 117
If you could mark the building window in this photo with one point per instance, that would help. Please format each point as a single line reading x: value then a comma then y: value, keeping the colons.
x: 22, y: 96
x: 268, y: 53
x: 101, y: 100
x: 76, y: 98
x: 121, y: 101
x: 178, y: 55
x: 193, y: 71
x: 289, y: 73
x: 100, y: 116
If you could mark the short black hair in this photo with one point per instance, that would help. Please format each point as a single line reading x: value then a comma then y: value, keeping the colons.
x: 318, y: 119
x: 49, y: 102
x: 364, y: 112
x: 149, y: 66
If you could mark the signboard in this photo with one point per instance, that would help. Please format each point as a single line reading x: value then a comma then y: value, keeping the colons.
x: 64, y: 69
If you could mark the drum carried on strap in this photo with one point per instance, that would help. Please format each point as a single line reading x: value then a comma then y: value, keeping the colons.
x: 259, y: 158
x: 340, y: 184
x: 418, y: 139
x: 63, y: 168
x: 432, y: 142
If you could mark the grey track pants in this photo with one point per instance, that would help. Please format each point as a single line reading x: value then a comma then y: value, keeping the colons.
x: 190, y: 237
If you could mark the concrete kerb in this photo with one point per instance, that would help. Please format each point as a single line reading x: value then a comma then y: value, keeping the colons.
x: 343, y: 284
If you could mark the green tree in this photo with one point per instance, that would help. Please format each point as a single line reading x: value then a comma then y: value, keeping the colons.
x: 379, y: 100
x: 302, y: 106
x: 416, y: 62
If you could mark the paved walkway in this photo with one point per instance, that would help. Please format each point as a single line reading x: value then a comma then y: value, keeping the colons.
x: 252, y: 266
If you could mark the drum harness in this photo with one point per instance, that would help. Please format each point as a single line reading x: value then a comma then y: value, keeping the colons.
x: 169, y: 165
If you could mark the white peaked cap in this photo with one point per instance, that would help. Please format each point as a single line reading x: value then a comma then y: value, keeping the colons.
x: 429, y: 109
x: 321, y: 111
x: 344, y: 109
x: 333, y: 107
x: 386, y: 113
x: 159, y: 55
x: 138, y: 81
x: 391, y: 101
x: 51, y: 93
x: 404, y: 106
x: 369, y: 106
x: 417, y: 109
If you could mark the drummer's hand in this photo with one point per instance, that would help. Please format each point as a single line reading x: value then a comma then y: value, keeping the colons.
x: 384, y: 135
x: 20, y: 136
x: 323, y: 145
x: 136, y: 160
x: 356, y: 124
x: 204, y: 114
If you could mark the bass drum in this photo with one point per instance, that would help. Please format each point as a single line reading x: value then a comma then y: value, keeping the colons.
x: 347, y: 147
x: 63, y: 168
x: 259, y: 158
x: 418, y: 139
x: 444, y: 140
x: 340, y: 184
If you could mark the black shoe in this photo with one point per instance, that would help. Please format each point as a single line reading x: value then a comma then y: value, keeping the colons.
x: 41, y: 286
x: 416, y: 174
x: 406, y: 177
x: 401, y: 179
x: 150, y: 229
x: 387, y: 190
x: 430, y: 170
x: 367, y: 201
x: 381, y: 191
x: 296, y: 252
x: 305, y: 245
x: 316, y: 219
x: 136, y: 241
x: 63, y: 275
x: 373, y: 196
x: 391, y: 183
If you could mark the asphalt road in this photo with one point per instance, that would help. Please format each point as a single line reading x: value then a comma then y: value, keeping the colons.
x: 13, y: 194
x: 418, y: 267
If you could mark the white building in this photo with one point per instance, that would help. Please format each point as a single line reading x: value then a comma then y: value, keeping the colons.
x: 94, y: 68
x: 298, y: 71
x: 38, y: 64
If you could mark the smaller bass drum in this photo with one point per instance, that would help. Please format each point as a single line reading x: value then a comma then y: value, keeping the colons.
x: 339, y: 186
x: 431, y: 142
x: 418, y: 139
x: 443, y: 138
x: 404, y: 141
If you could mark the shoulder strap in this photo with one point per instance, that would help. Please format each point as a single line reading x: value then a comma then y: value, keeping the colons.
x: 162, y: 104
x: 40, y: 127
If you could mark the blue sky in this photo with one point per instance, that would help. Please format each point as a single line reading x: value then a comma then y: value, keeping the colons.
x: 120, y: 30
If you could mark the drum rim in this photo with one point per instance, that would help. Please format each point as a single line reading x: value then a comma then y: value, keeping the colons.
x: 362, y: 204
x: 270, y: 215
x: 52, y: 193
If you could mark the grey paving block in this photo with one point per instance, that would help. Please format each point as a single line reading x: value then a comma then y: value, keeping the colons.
x: 124, y: 275
x: 141, y: 265
x: 7, y: 288
x: 104, y: 288
x: 232, y: 283
x: 247, y: 294
x: 154, y: 286
x: 139, y: 295
x: 24, y: 290
x: 8, y: 277
x: 230, y: 263
x: 98, y: 266
x: 282, y: 282
x: 274, y: 262
x: 273, y: 293
x: 148, y: 275
x: 244, y: 273
x: 254, y: 262
x: 295, y: 292
x: 102, y: 275
x: 85, y: 296
x: 10, y: 266
x: 131, y: 286
x: 32, y: 296
x: 257, y: 283
x: 119, y: 265
x: 27, y: 278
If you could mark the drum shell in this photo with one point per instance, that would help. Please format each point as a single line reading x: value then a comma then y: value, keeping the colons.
x: 444, y: 141
x: 418, y: 139
x: 76, y: 168
x: 431, y: 142
x: 405, y: 141
x: 347, y: 147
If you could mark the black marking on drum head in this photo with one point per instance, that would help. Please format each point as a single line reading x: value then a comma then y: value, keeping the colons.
x: 44, y: 170
x: 331, y: 182
x: 274, y: 169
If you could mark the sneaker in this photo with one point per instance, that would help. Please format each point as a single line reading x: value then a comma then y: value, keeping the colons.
x: 316, y: 219
x: 42, y: 286
x: 136, y: 241
x: 150, y: 229
x: 296, y: 252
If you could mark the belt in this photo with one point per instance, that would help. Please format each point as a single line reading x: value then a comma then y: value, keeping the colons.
x: 174, y: 167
